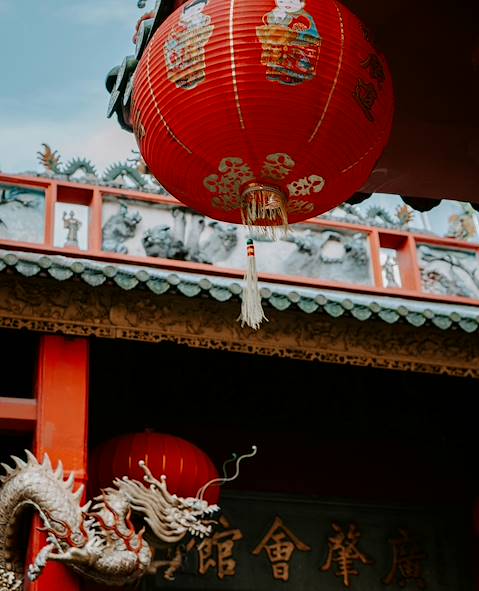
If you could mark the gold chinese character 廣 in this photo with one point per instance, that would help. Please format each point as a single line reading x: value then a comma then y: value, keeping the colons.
x: 344, y: 552
x: 407, y: 562
x: 279, y: 544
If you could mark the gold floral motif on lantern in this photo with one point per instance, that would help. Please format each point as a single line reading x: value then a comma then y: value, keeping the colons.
x: 235, y: 173
x: 277, y: 166
x: 295, y: 206
x: 304, y: 186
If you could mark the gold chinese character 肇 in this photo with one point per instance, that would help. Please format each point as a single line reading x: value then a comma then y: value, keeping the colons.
x: 343, y: 551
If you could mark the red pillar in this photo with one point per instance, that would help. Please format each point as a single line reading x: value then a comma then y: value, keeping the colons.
x: 62, y: 429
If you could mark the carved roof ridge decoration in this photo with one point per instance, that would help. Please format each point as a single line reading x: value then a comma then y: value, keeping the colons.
x: 133, y: 174
x: 335, y: 303
x: 141, y: 182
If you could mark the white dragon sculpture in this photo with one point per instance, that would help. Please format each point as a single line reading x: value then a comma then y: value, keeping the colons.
x: 102, y: 544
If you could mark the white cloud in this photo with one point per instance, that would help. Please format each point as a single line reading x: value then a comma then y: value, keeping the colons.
x: 101, y: 141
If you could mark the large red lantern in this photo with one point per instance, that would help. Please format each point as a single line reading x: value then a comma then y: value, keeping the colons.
x: 259, y: 110
x: 263, y: 112
x: 186, y: 467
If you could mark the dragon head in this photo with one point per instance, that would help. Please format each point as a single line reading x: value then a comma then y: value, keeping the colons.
x: 169, y: 516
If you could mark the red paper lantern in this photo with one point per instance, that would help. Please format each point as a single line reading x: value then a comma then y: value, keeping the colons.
x: 259, y: 110
x: 186, y: 467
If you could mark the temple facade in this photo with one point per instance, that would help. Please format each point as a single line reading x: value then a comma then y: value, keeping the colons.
x: 119, y: 308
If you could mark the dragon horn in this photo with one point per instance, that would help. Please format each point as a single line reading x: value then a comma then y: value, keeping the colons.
x: 160, y: 485
x: 31, y: 458
x: 79, y: 492
x: 220, y: 481
x: 71, y: 479
x: 46, y: 462
x: 59, y: 470
x: 8, y: 469
x: 19, y: 462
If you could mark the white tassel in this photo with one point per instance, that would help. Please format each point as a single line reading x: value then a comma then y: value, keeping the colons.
x: 251, y: 309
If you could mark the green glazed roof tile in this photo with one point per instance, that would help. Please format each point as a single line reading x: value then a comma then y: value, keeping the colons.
x: 188, y: 288
x: 280, y: 296
x: 221, y: 294
x: 389, y: 316
x: 27, y: 269
x: 307, y: 305
x: 93, y: 278
x: 125, y: 280
x: 468, y: 324
x: 60, y: 273
x: 280, y: 302
x: 416, y: 319
x: 334, y: 309
x: 158, y: 286
x: 361, y: 312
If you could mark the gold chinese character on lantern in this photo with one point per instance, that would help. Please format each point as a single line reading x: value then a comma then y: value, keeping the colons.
x: 375, y: 67
x: 366, y: 95
x: 279, y: 544
x: 343, y: 552
x: 407, y: 562
x: 217, y: 551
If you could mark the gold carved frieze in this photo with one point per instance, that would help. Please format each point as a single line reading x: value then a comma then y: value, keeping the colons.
x: 75, y: 308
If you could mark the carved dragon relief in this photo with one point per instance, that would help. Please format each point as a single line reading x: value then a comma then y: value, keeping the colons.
x: 103, y: 543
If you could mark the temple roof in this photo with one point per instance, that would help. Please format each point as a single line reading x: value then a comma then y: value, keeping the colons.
x: 335, y: 303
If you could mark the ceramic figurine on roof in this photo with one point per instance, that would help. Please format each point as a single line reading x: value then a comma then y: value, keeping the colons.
x: 51, y: 161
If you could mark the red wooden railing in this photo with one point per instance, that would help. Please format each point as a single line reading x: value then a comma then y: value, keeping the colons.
x: 403, y: 242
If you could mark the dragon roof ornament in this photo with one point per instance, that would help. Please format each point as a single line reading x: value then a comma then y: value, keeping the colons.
x: 100, y: 543
x: 133, y: 173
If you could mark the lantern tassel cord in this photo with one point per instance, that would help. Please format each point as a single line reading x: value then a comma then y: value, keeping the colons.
x: 252, y: 312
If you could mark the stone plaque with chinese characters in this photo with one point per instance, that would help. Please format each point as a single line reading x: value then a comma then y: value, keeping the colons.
x: 271, y: 543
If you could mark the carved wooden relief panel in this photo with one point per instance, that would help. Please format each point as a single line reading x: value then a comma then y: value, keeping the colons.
x: 75, y: 308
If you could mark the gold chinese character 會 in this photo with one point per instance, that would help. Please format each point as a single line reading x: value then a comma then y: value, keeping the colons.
x: 279, y: 544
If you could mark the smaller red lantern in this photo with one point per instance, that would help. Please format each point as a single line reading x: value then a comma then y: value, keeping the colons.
x: 186, y: 467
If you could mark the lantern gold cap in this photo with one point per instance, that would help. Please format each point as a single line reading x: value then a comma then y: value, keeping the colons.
x: 264, y: 206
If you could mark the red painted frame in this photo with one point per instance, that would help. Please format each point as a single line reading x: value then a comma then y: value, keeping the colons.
x: 404, y: 242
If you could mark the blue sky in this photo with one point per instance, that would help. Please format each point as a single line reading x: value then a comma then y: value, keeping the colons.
x: 54, y: 56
